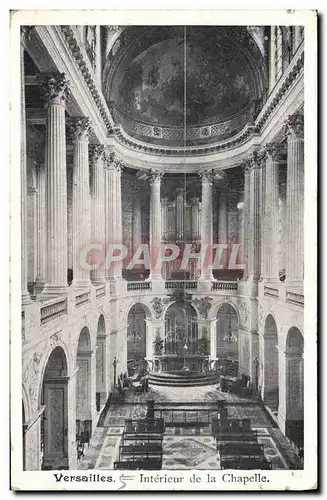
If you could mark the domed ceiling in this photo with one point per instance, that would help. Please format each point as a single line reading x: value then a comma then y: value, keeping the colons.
x: 199, y: 84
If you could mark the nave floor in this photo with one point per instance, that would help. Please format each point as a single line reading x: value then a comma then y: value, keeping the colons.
x: 183, y: 448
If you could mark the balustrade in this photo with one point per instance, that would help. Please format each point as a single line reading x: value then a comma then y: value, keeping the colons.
x: 181, y: 285
x: 100, y: 291
x: 82, y: 299
x: 271, y: 291
x: 53, y: 310
x: 295, y: 298
x: 224, y: 285
x: 139, y: 285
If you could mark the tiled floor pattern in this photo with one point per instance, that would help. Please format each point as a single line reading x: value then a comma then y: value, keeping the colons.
x: 191, y: 452
x: 183, y: 448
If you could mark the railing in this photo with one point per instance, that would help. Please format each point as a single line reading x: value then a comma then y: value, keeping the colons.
x: 181, y: 285
x: 224, y: 285
x: 82, y: 299
x: 295, y: 298
x: 52, y: 311
x: 139, y: 285
x: 271, y: 291
x: 100, y: 291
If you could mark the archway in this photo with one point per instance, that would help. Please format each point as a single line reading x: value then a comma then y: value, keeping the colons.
x: 270, y: 380
x: 101, y: 364
x: 54, y: 423
x: 180, y: 347
x: 85, y: 398
x: 227, y: 339
x: 136, y: 333
x: 294, y: 386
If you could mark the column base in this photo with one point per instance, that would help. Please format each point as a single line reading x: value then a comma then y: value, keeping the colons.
x: 51, y: 291
x: 80, y: 284
x: 39, y: 285
x: 26, y: 298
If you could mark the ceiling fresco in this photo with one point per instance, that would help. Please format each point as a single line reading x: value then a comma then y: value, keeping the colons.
x: 173, y: 83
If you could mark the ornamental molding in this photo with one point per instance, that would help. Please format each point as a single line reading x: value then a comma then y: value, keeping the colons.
x: 272, y: 151
x: 97, y: 153
x: 295, y: 126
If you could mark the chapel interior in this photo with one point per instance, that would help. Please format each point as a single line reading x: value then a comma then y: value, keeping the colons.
x: 144, y: 136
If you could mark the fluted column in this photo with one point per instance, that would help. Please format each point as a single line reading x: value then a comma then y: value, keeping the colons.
x: 271, y: 225
x: 263, y: 202
x: 119, y: 223
x: 295, y: 199
x: 25, y: 33
x: 246, y: 240
x: 180, y: 214
x: 282, y: 228
x: 56, y: 92
x: 137, y: 218
x: 80, y: 130
x: 113, y: 212
x: 155, y: 224
x: 254, y: 216
x: 41, y: 261
x: 206, y: 177
x: 223, y: 224
x: 98, y: 210
x: 272, y: 58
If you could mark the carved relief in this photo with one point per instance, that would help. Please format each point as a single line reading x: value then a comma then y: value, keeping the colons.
x: 244, y: 313
x: 158, y: 305
x: 203, y: 305
x: 55, y: 88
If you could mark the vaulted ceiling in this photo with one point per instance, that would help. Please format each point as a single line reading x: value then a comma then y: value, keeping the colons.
x: 186, y: 85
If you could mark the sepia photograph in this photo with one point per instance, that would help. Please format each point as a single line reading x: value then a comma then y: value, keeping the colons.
x: 164, y: 321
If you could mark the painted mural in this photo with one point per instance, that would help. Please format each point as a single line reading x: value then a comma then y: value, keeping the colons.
x: 196, y: 72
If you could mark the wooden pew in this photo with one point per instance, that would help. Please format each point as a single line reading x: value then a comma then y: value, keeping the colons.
x: 241, y: 449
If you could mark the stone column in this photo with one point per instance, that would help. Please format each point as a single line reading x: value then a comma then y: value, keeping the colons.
x: 232, y: 223
x: 56, y: 93
x: 180, y: 214
x: 137, y: 219
x: 25, y: 33
x: 155, y: 224
x: 262, y: 210
x: 206, y: 177
x: 295, y: 200
x: 113, y: 212
x: 80, y: 129
x: 223, y: 225
x: 98, y: 211
x: 41, y: 261
x: 32, y: 234
x: 271, y: 227
x: 119, y: 222
x: 282, y: 233
x: 246, y: 241
x: 298, y: 36
x: 254, y: 216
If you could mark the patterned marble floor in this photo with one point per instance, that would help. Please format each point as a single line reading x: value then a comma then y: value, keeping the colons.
x: 184, y: 448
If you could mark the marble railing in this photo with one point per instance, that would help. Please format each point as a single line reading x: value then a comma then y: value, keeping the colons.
x: 271, y: 291
x: 82, y: 298
x: 139, y: 285
x: 100, y: 291
x: 224, y: 285
x: 296, y: 298
x: 181, y: 285
x: 53, y: 310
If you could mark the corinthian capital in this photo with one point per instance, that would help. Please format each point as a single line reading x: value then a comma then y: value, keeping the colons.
x: 118, y: 164
x: 55, y: 88
x: 295, y: 126
x: 155, y: 176
x: 206, y: 175
x: 97, y: 152
x: 255, y: 160
x: 25, y: 34
x: 272, y: 151
x: 80, y: 128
